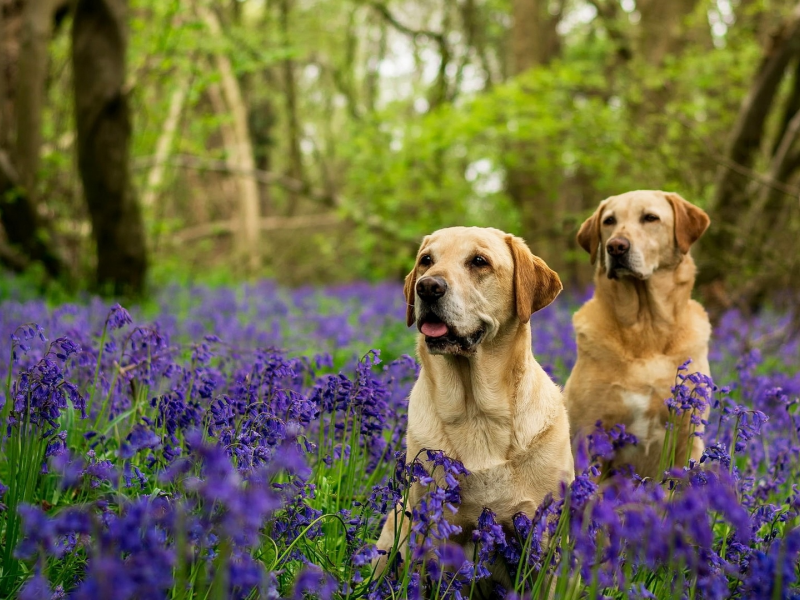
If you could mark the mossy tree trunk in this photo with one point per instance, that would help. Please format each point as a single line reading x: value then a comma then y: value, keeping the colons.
x: 25, y: 30
x: 102, y: 116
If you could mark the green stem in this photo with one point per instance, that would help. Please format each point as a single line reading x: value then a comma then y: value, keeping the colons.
x: 299, y: 537
x: 97, y: 375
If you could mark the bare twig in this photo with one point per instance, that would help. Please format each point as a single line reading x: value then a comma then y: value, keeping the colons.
x: 164, y: 144
x: 201, y: 163
x: 748, y: 131
x: 440, y: 38
x: 780, y: 168
x: 228, y: 227
x: 755, y: 176
x: 383, y: 10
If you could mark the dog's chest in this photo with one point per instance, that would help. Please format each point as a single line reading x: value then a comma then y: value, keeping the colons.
x: 495, y: 487
x: 478, y: 442
x: 475, y: 428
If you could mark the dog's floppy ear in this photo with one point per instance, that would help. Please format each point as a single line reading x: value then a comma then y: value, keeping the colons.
x: 690, y: 221
x: 408, y: 292
x: 589, y: 233
x: 535, y: 284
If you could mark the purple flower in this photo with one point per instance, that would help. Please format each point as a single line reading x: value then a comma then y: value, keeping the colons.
x: 117, y: 318
x: 37, y: 587
x: 138, y: 439
x: 312, y: 580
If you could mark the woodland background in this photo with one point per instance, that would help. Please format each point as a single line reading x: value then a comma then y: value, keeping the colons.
x: 316, y: 141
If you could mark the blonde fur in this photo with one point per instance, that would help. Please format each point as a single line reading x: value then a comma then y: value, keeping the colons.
x: 639, y: 328
x: 493, y: 407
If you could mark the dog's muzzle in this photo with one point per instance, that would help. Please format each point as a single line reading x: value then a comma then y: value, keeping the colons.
x: 441, y: 337
x: 617, y: 250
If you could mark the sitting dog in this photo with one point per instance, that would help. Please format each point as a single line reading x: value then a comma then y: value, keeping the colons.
x: 641, y: 324
x: 481, y: 397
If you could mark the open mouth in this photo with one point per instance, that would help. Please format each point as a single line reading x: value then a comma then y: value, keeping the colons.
x: 433, y: 327
x: 442, y: 339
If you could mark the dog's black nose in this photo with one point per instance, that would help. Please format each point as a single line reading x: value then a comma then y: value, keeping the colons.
x: 618, y: 246
x: 431, y: 288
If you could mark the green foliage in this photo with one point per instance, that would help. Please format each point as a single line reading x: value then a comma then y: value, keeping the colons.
x: 376, y: 149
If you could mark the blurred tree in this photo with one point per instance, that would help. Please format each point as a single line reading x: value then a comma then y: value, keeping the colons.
x: 240, y: 150
x: 371, y: 122
x: 665, y: 30
x: 756, y: 214
x: 103, y: 122
x: 293, y: 134
x: 534, y: 43
x: 25, y: 29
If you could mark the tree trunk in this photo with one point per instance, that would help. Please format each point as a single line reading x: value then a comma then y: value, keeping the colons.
x: 37, y: 25
x: 102, y: 117
x: 22, y: 224
x: 24, y: 33
x: 156, y: 176
x: 663, y: 29
x: 242, y: 151
x: 534, y: 42
x: 534, y: 39
x: 290, y: 91
x: 732, y: 194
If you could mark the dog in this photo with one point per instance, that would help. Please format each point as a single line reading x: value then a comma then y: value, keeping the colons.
x: 480, y: 396
x: 640, y: 325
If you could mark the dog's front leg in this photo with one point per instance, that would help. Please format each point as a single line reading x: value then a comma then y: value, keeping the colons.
x: 396, y: 529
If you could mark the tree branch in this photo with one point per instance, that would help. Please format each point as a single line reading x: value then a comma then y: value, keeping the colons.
x: 436, y: 36
x: 742, y: 170
x: 200, y: 163
x: 749, y: 128
x: 439, y: 37
x: 608, y: 12
x: 164, y: 144
x: 228, y: 227
x: 779, y: 170
x: 243, y: 149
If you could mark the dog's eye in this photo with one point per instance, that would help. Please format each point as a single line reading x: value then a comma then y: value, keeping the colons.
x: 425, y: 260
x: 650, y: 218
x: 479, y: 261
x: 610, y: 221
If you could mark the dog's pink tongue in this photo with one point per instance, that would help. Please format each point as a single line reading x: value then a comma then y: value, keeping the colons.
x: 434, y: 329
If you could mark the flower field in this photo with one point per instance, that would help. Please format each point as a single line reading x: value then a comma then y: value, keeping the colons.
x: 246, y: 443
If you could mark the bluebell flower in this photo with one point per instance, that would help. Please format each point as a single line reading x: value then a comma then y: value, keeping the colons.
x: 117, y: 318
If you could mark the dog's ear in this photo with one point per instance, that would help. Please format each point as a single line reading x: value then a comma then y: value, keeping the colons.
x: 535, y: 284
x: 690, y: 221
x: 408, y: 292
x: 589, y: 233
x: 411, y: 284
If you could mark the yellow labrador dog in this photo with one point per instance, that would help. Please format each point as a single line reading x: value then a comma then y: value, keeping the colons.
x: 481, y: 397
x: 641, y: 324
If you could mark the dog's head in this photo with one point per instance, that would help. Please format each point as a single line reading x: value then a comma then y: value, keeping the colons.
x: 637, y: 233
x: 469, y: 282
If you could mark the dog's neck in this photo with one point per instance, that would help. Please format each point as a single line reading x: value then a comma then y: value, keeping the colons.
x: 651, y: 305
x: 479, y: 393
